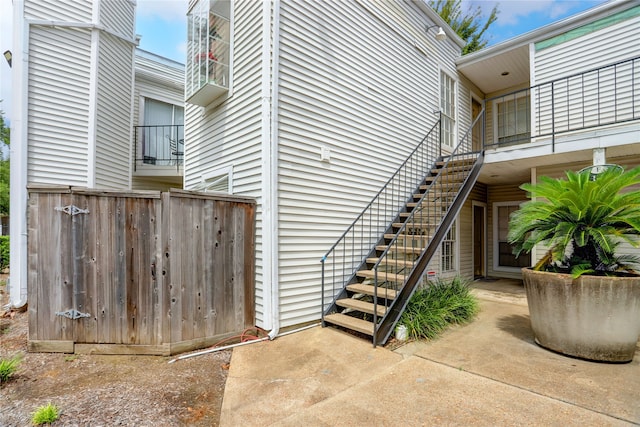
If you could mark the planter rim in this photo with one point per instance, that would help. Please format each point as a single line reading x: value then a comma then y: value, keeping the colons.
x: 531, y: 270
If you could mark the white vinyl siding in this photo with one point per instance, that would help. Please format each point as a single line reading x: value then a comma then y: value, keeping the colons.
x: 80, y: 91
x: 59, y: 82
x: 114, y: 121
x: 594, y: 50
x: 118, y: 16
x: 353, y: 83
x: 76, y: 11
x: 349, y: 83
x: 230, y: 134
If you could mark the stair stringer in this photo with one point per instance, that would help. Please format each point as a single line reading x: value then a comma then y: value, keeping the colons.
x: 381, y: 241
x: 385, y: 327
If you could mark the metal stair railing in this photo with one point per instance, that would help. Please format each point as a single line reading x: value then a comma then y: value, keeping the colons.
x: 349, y: 252
x: 440, y: 203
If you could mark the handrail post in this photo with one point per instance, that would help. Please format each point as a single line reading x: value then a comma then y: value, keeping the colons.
x: 135, y: 148
x: 322, y: 290
x: 375, y: 305
x: 440, y: 131
x: 484, y: 127
x: 553, y: 119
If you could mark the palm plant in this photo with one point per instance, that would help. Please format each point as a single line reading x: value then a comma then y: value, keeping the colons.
x: 583, y: 220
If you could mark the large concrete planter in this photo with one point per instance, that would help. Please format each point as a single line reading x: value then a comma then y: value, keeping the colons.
x: 592, y: 317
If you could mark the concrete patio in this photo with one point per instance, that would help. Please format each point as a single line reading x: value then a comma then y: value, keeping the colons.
x: 489, y: 372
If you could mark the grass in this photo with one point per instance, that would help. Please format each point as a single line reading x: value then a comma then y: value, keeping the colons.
x: 46, y: 414
x: 433, y: 308
x: 8, y: 367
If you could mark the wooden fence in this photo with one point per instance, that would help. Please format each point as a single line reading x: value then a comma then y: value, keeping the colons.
x: 138, y: 272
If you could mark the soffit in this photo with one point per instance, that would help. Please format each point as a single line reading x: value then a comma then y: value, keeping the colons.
x: 488, y: 72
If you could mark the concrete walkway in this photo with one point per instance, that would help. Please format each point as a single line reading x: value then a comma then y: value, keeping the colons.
x: 487, y: 373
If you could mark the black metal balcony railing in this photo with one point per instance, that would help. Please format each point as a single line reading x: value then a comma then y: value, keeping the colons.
x: 159, y: 145
x: 599, y: 97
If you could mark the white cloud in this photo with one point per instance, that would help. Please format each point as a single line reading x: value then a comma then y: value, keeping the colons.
x: 512, y: 12
x: 166, y: 10
x: 559, y: 9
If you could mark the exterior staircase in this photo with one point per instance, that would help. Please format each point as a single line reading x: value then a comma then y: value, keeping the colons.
x: 378, y: 280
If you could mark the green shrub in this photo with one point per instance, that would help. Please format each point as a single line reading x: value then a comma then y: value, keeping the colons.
x: 46, y: 414
x: 432, y: 308
x: 4, y: 252
x: 8, y: 367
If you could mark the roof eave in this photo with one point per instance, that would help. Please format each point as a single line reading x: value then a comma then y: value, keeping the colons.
x: 548, y: 31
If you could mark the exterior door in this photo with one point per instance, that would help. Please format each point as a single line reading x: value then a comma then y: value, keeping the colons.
x: 476, y: 133
x: 479, y: 240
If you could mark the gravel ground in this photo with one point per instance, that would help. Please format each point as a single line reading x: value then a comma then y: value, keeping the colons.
x: 103, y: 390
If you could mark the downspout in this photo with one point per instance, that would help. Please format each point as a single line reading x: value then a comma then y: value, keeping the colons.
x: 93, y: 99
x: 270, y: 168
x: 18, y: 151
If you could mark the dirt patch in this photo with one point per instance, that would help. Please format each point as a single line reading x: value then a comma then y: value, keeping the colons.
x: 109, y: 390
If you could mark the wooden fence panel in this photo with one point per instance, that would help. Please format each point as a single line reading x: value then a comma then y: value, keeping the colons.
x: 212, y: 267
x: 49, y: 270
x: 156, y: 274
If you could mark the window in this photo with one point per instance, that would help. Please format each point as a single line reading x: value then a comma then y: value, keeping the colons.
x: 513, y: 120
x: 162, y: 135
x: 448, y: 251
x: 448, y: 109
x: 503, y: 253
x: 208, y: 69
x: 217, y: 181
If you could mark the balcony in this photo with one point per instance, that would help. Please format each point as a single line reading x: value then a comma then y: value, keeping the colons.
x: 595, y: 109
x: 159, y: 145
x: 159, y: 151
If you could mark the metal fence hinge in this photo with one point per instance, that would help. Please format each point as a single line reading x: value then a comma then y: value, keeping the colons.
x: 72, y: 210
x: 72, y: 314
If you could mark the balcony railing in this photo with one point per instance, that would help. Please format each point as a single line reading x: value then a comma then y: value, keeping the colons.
x: 599, y: 97
x: 158, y: 145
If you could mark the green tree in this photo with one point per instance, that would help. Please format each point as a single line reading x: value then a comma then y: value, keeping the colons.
x: 467, y: 25
x: 5, y: 131
x: 5, y: 138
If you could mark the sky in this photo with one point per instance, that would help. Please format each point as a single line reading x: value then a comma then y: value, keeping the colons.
x: 162, y: 25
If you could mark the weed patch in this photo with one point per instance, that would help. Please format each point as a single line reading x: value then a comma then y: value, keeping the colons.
x: 46, y: 414
x: 8, y: 367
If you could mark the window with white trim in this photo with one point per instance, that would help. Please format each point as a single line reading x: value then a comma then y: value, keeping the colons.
x: 503, y: 252
x: 448, y: 109
x: 448, y: 259
x: 513, y: 120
